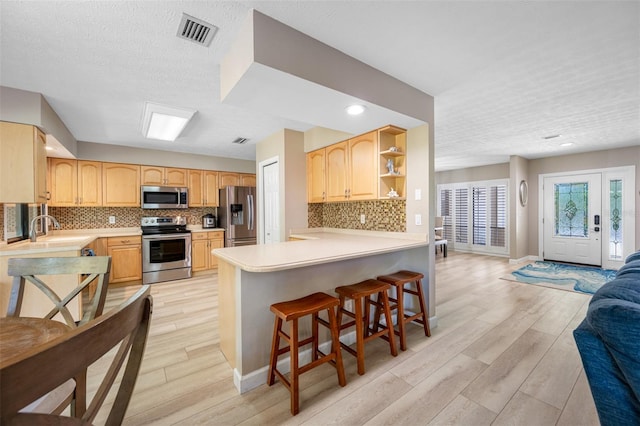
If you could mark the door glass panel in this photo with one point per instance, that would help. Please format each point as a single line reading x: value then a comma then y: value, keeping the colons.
x: 615, y: 230
x: 571, y: 211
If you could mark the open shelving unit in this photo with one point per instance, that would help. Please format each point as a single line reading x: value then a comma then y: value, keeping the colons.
x: 392, y: 144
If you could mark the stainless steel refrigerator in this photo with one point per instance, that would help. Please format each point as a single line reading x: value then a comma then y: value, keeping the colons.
x: 237, y: 215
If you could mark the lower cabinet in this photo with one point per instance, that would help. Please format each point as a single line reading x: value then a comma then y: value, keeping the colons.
x: 126, y: 258
x: 201, y: 245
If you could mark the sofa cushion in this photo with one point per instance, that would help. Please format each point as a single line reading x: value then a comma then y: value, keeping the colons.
x: 632, y: 257
x: 626, y: 287
x: 630, y: 268
x: 616, y: 322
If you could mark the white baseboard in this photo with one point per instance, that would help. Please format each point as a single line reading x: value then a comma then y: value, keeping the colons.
x: 530, y: 258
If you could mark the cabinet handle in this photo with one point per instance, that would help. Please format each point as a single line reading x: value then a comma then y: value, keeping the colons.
x: 48, y: 195
x: 124, y: 241
x: 345, y: 193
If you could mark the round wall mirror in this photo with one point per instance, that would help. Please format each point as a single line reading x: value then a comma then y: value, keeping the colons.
x: 524, y: 193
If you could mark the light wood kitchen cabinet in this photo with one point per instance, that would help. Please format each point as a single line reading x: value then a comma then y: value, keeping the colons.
x: 75, y: 182
x: 120, y: 185
x: 126, y: 258
x: 316, y: 180
x: 163, y: 176
x: 337, y: 176
x: 247, y: 179
x: 23, y: 164
x: 228, y: 179
x: 203, y: 188
x: 201, y: 245
x: 363, y: 167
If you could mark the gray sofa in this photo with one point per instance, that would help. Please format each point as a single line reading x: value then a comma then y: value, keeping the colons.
x: 609, y: 343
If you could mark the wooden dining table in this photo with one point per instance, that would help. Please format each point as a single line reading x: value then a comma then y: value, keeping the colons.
x: 20, y: 334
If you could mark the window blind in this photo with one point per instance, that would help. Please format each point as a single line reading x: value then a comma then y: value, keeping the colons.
x: 462, y: 215
x: 498, y: 215
x: 480, y: 215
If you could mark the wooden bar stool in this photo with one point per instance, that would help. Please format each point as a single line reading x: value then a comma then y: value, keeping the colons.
x: 292, y: 311
x: 399, y: 280
x: 361, y: 294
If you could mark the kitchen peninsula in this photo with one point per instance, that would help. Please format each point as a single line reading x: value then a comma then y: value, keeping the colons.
x: 251, y: 278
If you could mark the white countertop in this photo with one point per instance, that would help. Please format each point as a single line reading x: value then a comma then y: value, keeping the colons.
x: 317, y: 246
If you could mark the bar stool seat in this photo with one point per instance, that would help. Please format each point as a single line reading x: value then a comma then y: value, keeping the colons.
x: 292, y: 311
x: 361, y: 293
x: 399, y: 280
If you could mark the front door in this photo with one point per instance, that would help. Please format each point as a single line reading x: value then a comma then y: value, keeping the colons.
x: 572, y: 222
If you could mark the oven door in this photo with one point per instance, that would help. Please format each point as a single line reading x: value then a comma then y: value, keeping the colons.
x: 161, y: 252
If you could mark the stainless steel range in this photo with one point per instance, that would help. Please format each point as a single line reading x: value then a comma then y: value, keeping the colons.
x: 166, y: 249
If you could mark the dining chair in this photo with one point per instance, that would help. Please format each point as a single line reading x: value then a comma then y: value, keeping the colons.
x: 93, y: 278
x: 42, y: 369
x: 439, y: 235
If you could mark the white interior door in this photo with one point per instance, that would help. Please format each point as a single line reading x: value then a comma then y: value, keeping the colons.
x: 572, y: 219
x: 271, y: 200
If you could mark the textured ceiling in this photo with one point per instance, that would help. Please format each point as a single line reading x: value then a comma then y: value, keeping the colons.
x: 503, y: 74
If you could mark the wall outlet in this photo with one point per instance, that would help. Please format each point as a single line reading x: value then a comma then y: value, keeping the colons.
x: 112, y: 220
x: 362, y: 218
x: 418, y: 219
x: 418, y: 194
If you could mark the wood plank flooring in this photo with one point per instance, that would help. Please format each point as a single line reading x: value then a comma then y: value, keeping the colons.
x: 502, y: 353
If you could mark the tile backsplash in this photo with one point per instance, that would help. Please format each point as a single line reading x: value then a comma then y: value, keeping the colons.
x: 2, y: 222
x: 126, y: 217
x: 380, y: 215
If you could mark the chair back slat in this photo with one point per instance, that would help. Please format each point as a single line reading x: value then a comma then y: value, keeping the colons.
x: 32, y: 269
x: 47, y: 366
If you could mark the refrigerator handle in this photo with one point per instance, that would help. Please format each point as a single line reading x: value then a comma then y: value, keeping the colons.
x: 250, y: 205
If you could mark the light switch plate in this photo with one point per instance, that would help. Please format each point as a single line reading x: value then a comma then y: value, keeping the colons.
x: 418, y: 219
x: 418, y: 194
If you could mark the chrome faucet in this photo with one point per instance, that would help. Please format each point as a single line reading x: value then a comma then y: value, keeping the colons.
x: 32, y: 229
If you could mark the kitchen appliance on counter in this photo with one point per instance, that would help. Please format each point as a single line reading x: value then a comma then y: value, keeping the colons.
x: 166, y: 249
x: 209, y: 221
x: 164, y: 197
x: 237, y: 215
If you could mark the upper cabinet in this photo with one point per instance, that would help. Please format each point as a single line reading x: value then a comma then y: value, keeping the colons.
x: 316, y: 183
x: 367, y: 167
x: 75, y: 182
x: 228, y: 179
x: 203, y: 188
x: 23, y: 164
x: 247, y: 179
x: 121, y: 185
x: 167, y: 176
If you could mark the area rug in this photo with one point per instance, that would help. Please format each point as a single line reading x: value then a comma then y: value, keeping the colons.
x: 583, y: 279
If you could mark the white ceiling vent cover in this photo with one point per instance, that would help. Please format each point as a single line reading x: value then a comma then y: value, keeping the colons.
x: 240, y: 141
x: 196, y: 30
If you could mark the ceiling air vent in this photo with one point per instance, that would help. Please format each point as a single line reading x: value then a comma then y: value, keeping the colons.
x: 196, y: 30
x: 240, y: 141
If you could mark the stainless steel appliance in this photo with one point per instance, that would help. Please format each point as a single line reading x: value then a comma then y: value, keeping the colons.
x: 164, y: 197
x: 166, y: 249
x: 209, y: 221
x: 237, y: 215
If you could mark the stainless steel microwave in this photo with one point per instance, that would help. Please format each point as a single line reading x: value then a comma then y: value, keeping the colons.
x: 164, y: 197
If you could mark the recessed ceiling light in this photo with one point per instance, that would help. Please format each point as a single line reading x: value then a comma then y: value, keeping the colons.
x: 566, y: 144
x: 355, y: 109
x: 164, y: 122
x: 48, y: 148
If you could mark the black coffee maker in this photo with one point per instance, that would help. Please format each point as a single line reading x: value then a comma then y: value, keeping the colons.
x: 209, y: 221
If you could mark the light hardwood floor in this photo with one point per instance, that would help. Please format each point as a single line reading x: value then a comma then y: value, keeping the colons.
x: 503, y: 353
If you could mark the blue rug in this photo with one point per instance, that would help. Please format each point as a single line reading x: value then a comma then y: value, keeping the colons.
x: 583, y: 279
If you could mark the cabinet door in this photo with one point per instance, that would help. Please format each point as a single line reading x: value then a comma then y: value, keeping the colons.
x: 199, y: 255
x: 337, y: 176
x: 126, y: 263
x: 40, y: 161
x: 90, y: 183
x: 120, y: 185
x: 228, y: 179
x: 210, y: 180
x: 363, y: 160
x: 152, y: 175
x: 216, y: 242
x: 22, y: 164
x: 175, y: 177
x: 316, y: 184
x: 247, y: 179
x: 196, y: 194
x: 63, y: 174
